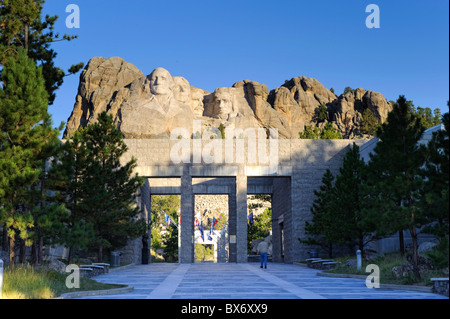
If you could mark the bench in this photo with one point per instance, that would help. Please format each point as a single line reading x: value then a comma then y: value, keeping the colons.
x: 85, y: 272
x: 96, y: 270
x: 317, y: 264
x: 440, y: 286
x: 329, y: 265
x: 104, y: 265
x: 310, y: 260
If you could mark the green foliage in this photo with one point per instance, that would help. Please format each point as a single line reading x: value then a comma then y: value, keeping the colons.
x: 29, y: 283
x: 321, y: 113
x: 348, y: 90
x: 435, y: 192
x: 428, y: 117
x: 111, y: 208
x: 204, y: 252
x: 222, y: 130
x: 338, y: 209
x: 310, y: 132
x: 439, y: 254
x: 328, y: 132
x: 23, y: 112
x: 170, y: 241
x: 321, y: 229
x: 262, y: 224
x: 369, y: 123
x: 66, y: 178
x: 161, y: 204
x: 21, y: 27
x: 394, y: 171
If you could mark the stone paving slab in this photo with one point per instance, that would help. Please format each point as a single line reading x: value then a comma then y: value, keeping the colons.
x: 242, y: 281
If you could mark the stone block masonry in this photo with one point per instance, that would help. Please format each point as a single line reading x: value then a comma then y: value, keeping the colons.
x: 301, y: 165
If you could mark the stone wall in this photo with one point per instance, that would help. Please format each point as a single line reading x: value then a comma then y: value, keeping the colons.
x: 301, y: 165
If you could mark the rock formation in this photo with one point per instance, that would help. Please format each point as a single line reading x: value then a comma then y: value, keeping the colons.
x: 152, y: 106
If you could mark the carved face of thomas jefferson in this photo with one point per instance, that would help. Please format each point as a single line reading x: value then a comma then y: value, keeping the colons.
x: 161, y: 82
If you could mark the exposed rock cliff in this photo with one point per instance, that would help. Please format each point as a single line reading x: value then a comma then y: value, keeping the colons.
x: 152, y: 106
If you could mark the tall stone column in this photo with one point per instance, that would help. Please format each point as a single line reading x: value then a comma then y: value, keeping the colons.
x: 241, y: 219
x: 186, y: 249
x: 282, y: 222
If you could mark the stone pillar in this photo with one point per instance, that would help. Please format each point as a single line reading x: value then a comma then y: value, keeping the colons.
x: 282, y: 220
x: 232, y: 252
x: 241, y: 219
x: 186, y: 249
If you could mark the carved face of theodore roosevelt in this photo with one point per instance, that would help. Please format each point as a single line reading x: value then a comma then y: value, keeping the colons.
x: 161, y: 82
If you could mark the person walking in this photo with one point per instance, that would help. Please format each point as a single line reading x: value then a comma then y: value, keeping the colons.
x: 262, y: 249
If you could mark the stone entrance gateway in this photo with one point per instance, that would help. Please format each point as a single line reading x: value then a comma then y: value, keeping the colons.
x: 301, y: 165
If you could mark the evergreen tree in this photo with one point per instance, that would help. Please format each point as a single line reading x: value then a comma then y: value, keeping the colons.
x: 369, y: 123
x: 313, y: 132
x: 170, y: 240
x: 66, y: 178
x: 322, y: 226
x: 321, y: 114
x: 23, y: 109
x: 46, y: 213
x: 435, y: 194
x: 262, y: 224
x: 349, y: 200
x: 394, y: 168
x: 109, y: 189
x: 330, y: 133
x: 310, y: 133
x: 21, y: 27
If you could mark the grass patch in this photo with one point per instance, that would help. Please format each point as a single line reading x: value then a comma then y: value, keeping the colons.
x: 386, y: 263
x: 29, y: 283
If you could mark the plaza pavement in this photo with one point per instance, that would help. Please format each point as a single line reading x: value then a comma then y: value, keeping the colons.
x: 242, y: 281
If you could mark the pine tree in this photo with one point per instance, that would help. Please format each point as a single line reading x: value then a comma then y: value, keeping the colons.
x: 369, y: 123
x: 321, y: 227
x: 394, y: 168
x: 66, y: 177
x: 46, y: 213
x: 21, y: 27
x: 435, y: 193
x: 109, y: 189
x: 23, y: 109
x: 349, y: 202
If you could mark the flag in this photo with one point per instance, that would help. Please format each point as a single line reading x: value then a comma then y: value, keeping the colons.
x: 250, y: 218
x: 200, y: 228
x: 211, y: 230
x: 166, y: 218
x: 197, y: 221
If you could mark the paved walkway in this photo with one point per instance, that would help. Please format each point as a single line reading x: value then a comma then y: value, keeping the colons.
x: 242, y: 281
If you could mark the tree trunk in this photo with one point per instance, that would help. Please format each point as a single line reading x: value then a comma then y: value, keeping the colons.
x: 34, y: 254
x: 26, y: 36
x: 402, y: 242
x: 40, y: 251
x: 5, y: 245
x: 70, y: 256
x: 22, y: 250
x: 12, y: 252
x: 415, y: 259
x: 100, y: 254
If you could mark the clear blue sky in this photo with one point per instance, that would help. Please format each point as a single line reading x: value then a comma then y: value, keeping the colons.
x: 216, y: 43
